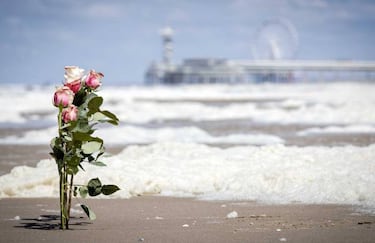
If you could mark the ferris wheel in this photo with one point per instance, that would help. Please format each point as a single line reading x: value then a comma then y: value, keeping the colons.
x: 276, y: 39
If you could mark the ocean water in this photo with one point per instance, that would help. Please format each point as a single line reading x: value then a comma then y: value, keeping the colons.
x: 167, y: 150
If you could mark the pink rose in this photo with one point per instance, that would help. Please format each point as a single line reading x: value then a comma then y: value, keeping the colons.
x: 73, y: 75
x: 75, y: 86
x: 94, y: 79
x: 70, y: 114
x: 63, y: 96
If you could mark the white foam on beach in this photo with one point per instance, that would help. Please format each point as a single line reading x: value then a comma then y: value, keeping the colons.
x: 322, y: 103
x: 140, y: 135
x: 367, y: 129
x: 270, y: 174
x: 22, y: 104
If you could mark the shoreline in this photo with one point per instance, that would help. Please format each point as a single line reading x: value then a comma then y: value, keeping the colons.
x: 169, y: 219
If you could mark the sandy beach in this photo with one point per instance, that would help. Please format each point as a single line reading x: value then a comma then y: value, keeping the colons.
x: 165, y: 219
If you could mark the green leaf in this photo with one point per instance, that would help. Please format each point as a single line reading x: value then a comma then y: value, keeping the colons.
x: 89, y: 97
x: 109, y: 189
x: 91, y: 147
x: 74, y: 161
x: 105, y: 116
x: 98, y: 116
x: 94, y: 104
x: 83, y: 191
x: 98, y: 163
x: 82, y: 126
x: 57, y: 154
x: 82, y: 136
x: 94, y: 187
x: 57, y: 151
x: 113, y: 122
x: 110, y: 115
x: 88, y: 212
x: 56, y: 141
x: 72, y: 170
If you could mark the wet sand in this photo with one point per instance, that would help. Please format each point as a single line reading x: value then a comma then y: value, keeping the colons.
x: 288, y: 132
x: 163, y: 219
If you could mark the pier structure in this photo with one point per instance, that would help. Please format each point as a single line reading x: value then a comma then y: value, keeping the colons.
x: 219, y: 70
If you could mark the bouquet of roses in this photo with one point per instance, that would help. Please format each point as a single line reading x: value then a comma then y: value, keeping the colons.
x: 79, y: 111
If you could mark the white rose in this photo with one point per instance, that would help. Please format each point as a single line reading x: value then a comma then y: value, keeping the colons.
x: 73, y: 73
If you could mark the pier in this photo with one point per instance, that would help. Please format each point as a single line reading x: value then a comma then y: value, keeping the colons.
x: 221, y: 70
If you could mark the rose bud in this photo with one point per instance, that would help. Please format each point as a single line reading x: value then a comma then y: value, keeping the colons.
x: 73, y: 75
x: 94, y: 79
x: 63, y: 96
x: 70, y: 114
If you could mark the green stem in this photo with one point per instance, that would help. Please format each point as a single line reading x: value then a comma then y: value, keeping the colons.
x: 62, y: 216
x: 70, y: 195
x: 62, y: 175
x: 59, y: 120
x: 66, y: 217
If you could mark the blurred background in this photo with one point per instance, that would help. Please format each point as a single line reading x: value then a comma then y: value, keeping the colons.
x: 122, y: 38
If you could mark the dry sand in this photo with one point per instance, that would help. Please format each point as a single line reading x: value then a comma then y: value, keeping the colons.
x: 163, y: 219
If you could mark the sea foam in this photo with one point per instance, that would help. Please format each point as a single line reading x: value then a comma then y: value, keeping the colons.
x: 270, y: 174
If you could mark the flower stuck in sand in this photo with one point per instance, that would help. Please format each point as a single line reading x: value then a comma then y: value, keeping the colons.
x: 79, y: 111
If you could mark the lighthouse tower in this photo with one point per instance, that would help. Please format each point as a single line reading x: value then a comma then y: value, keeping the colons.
x: 166, y: 34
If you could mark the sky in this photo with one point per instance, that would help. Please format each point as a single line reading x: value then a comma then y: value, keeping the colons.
x: 121, y: 38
